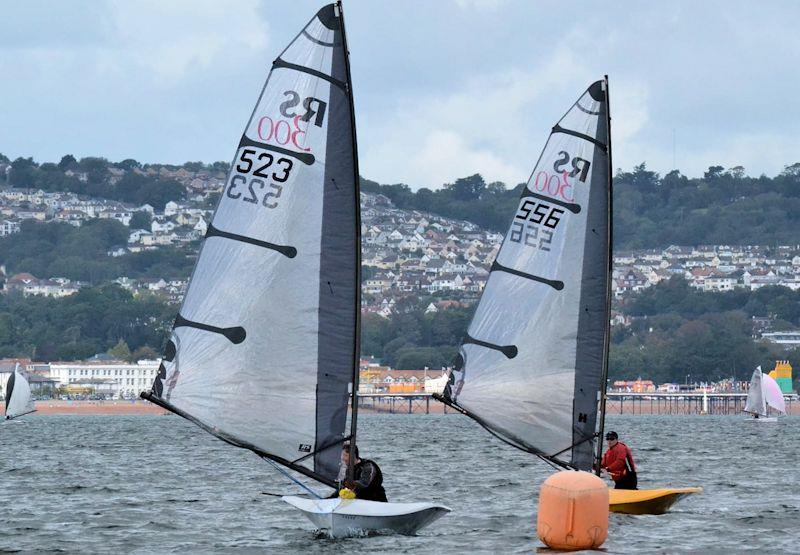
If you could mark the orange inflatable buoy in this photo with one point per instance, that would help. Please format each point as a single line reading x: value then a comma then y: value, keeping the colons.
x: 573, y: 511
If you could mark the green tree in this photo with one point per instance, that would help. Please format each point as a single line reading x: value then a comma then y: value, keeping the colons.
x: 129, y: 164
x: 68, y: 162
x: 144, y: 352
x: 467, y: 188
x: 23, y: 173
x: 140, y: 219
x: 120, y: 351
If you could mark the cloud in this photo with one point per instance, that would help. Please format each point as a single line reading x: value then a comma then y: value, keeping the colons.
x: 151, y: 80
x: 490, y: 5
x: 629, y: 119
x: 754, y: 151
x: 474, y: 86
x: 495, y: 124
x: 164, y: 40
x: 445, y: 155
x: 628, y: 109
x: 172, y: 38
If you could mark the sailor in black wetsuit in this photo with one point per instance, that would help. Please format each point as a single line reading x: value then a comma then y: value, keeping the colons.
x: 367, y: 477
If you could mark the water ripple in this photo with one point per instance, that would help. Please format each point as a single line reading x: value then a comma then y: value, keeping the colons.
x: 145, y: 484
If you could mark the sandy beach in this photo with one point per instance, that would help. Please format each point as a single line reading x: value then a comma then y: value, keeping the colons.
x: 97, y: 407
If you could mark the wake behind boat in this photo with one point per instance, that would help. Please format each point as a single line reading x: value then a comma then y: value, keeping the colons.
x: 264, y: 351
x: 532, y: 369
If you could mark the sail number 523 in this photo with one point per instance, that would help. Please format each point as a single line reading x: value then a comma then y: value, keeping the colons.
x: 257, y: 180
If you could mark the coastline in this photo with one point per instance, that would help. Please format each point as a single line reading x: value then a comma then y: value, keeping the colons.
x: 115, y: 407
x: 398, y: 406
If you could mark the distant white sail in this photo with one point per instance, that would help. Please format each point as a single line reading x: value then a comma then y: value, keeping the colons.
x: 773, y: 395
x: 18, y: 395
x: 264, y: 348
x: 756, y: 402
x: 531, y: 367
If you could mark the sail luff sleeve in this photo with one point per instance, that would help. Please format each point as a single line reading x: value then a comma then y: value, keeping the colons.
x: 603, y: 401
x: 356, y: 367
x: 593, y: 316
x: 10, y: 389
x: 254, y: 356
x: 517, y: 368
x: 339, y: 267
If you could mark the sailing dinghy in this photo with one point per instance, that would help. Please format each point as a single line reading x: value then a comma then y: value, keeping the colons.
x: 264, y: 351
x: 532, y: 369
x: 764, y: 398
x: 18, y: 395
x: 347, y: 517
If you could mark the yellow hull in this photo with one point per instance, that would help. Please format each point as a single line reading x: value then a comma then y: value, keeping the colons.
x: 646, y: 501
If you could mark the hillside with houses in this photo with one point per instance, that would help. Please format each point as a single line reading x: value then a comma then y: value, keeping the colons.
x: 406, y: 252
x: 709, y: 267
x: 68, y: 252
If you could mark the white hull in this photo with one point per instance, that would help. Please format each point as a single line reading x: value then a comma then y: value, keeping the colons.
x: 763, y: 419
x: 354, y: 517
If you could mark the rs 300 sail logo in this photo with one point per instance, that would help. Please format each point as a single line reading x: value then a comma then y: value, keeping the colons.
x: 260, y: 174
x: 300, y: 112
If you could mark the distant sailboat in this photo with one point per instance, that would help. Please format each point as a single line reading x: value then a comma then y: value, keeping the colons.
x: 18, y: 395
x: 764, y: 398
x: 264, y: 352
x: 533, y: 367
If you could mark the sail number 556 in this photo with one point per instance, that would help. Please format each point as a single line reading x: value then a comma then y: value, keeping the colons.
x: 525, y: 227
x: 265, y: 176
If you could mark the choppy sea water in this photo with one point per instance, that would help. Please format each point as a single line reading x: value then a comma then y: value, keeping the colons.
x: 155, y: 484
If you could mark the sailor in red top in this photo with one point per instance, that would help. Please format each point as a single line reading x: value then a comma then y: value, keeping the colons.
x: 618, y: 460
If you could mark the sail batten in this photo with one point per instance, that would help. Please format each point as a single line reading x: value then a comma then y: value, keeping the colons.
x: 263, y: 351
x: 545, y: 301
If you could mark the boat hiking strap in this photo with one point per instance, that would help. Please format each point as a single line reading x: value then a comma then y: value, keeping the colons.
x: 507, y: 440
x: 285, y: 472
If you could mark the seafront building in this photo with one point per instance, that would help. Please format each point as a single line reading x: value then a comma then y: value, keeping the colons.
x: 102, y: 377
x: 105, y: 378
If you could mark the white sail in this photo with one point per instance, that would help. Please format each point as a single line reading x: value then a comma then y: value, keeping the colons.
x: 756, y: 402
x: 264, y: 347
x: 532, y: 365
x: 773, y: 396
x: 18, y: 395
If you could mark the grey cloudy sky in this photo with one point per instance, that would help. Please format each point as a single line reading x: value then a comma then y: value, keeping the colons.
x: 443, y: 88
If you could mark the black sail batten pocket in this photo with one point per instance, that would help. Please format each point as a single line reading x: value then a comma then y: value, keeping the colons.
x: 235, y: 334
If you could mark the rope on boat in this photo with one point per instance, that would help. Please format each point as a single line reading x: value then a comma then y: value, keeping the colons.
x: 277, y: 467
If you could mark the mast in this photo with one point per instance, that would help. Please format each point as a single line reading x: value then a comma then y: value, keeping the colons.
x: 356, y: 178
x: 607, y: 338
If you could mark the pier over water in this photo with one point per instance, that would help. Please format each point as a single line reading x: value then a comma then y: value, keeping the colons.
x: 689, y: 403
